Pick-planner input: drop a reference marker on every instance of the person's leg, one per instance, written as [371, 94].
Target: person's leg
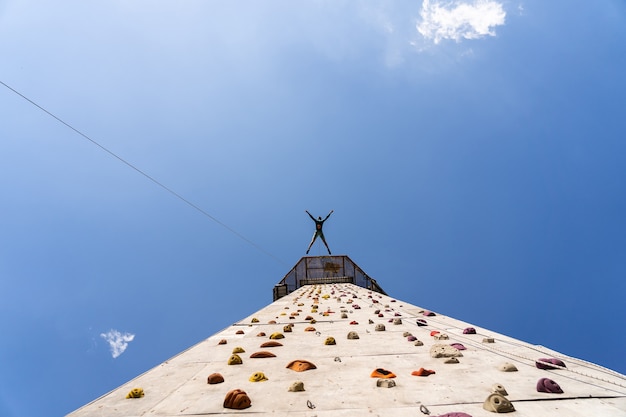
[324, 240]
[311, 244]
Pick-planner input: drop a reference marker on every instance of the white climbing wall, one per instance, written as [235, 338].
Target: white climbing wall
[341, 383]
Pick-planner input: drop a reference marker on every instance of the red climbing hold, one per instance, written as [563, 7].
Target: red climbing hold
[422, 372]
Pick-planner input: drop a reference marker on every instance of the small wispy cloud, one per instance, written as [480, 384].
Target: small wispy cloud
[118, 342]
[458, 20]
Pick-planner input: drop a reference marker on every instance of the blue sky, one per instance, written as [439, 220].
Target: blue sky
[473, 152]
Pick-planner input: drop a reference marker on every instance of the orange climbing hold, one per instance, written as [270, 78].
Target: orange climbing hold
[382, 373]
[301, 365]
[422, 372]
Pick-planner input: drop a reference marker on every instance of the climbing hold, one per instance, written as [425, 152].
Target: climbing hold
[496, 403]
[444, 351]
[313, 321]
[397, 321]
[386, 383]
[255, 320]
[277, 335]
[287, 328]
[310, 329]
[307, 318]
[419, 343]
[434, 332]
[382, 373]
[489, 340]
[353, 335]
[422, 372]
[330, 341]
[469, 330]
[238, 349]
[135, 393]
[271, 343]
[239, 332]
[376, 311]
[442, 336]
[549, 386]
[371, 321]
[353, 322]
[261, 334]
[271, 322]
[411, 338]
[381, 315]
[546, 363]
[222, 342]
[237, 399]
[428, 313]
[406, 334]
[300, 365]
[380, 327]
[263, 354]
[297, 386]
[257, 377]
[235, 360]
[507, 367]
[451, 360]
[215, 378]
[421, 322]
[457, 414]
[344, 316]
[459, 346]
[499, 389]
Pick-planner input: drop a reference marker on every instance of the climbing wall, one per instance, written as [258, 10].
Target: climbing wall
[342, 350]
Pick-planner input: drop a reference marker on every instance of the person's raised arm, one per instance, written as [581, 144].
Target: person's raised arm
[307, 212]
[331, 212]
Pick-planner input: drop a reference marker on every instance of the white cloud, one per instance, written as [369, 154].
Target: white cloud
[460, 20]
[118, 342]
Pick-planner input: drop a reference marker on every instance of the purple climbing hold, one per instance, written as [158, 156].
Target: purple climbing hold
[469, 330]
[428, 313]
[411, 338]
[544, 363]
[549, 386]
[421, 322]
[458, 346]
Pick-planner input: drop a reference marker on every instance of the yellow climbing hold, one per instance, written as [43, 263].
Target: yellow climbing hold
[277, 335]
[238, 349]
[235, 360]
[258, 377]
[330, 341]
[135, 393]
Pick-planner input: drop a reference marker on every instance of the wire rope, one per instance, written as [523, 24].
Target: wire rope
[146, 175]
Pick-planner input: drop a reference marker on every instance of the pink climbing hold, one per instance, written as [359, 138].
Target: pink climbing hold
[544, 363]
[549, 386]
[459, 346]
[428, 313]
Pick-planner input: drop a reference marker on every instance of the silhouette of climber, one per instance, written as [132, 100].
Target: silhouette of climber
[318, 230]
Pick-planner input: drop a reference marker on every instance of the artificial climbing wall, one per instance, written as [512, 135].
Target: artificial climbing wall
[343, 350]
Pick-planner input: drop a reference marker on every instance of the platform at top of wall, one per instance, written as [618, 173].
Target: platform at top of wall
[311, 270]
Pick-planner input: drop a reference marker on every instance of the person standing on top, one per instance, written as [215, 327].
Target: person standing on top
[318, 230]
